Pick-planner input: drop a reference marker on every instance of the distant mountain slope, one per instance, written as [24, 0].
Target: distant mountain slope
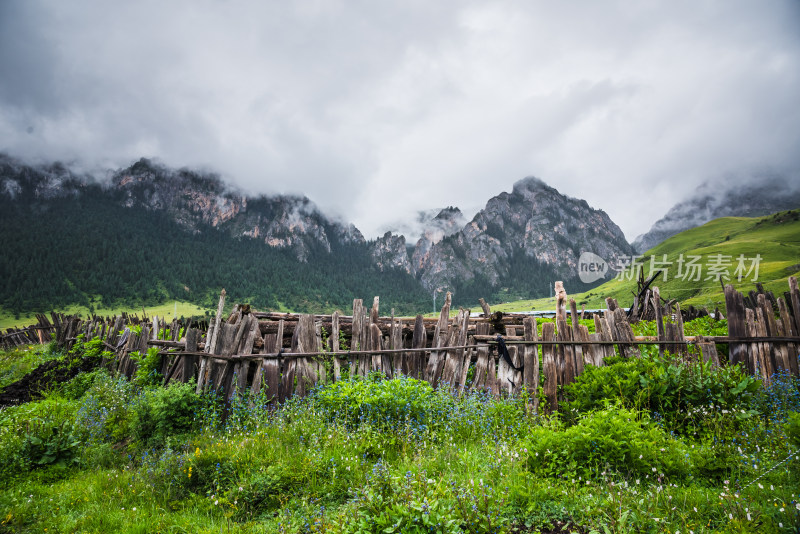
[152, 234]
[769, 248]
[768, 195]
[148, 233]
[520, 243]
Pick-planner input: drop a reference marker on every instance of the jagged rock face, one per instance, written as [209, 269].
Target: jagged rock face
[534, 219]
[769, 195]
[191, 199]
[446, 223]
[281, 221]
[46, 182]
[389, 252]
[194, 200]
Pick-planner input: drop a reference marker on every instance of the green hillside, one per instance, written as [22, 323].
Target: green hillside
[775, 238]
[86, 253]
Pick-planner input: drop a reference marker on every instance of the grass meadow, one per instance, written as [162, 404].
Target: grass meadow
[642, 445]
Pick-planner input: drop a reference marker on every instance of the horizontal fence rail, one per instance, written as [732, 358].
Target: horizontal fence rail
[281, 355]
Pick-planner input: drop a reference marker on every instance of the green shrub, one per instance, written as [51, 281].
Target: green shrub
[163, 412]
[147, 368]
[47, 444]
[105, 410]
[263, 492]
[377, 401]
[37, 434]
[681, 394]
[94, 349]
[614, 439]
[77, 387]
[792, 429]
[412, 504]
[714, 462]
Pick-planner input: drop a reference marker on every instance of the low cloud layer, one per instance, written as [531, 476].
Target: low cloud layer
[376, 110]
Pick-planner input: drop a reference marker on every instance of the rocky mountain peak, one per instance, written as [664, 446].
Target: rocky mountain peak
[40, 182]
[191, 198]
[534, 223]
[445, 223]
[389, 252]
[531, 185]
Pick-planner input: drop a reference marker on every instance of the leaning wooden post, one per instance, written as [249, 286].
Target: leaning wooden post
[334, 341]
[358, 364]
[565, 352]
[789, 330]
[210, 344]
[530, 359]
[433, 369]
[708, 350]
[307, 370]
[242, 369]
[549, 367]
[577, 350]
[659, 320]
[417, 360]
[734, 309]
[374, 316]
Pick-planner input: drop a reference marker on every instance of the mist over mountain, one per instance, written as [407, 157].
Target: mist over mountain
[147, 233]
[522, 241]
[764, 195]
[517, 245]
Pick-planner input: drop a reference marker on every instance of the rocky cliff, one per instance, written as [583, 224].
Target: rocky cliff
[196, 201]
[532, 222]
[534, 232]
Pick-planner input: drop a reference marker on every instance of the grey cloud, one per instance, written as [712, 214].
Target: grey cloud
[376, 110]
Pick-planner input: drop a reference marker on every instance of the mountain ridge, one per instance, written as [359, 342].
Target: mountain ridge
[712, 201]
[517, 245]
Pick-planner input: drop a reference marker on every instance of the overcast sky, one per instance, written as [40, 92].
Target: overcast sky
[377, 109]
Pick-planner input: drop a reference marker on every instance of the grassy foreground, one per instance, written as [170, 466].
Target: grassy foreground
[643, 445]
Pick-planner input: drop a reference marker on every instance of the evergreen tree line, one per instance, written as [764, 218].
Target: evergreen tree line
[86, 250]
[90, 251]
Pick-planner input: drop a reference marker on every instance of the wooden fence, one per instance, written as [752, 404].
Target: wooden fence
[282, 355]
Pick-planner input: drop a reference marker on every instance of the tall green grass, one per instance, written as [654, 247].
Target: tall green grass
[378, 455]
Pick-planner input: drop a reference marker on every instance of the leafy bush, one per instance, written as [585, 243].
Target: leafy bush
[77, 387]
[104, 414]
[678, 392]
[37, 434]
[263, 492]
[378, 402]
[94, 349]
[613, 439]
[163, 412]
[415, 504]
[792, 429]
[47, 444]
[780, 398]
[147, 368]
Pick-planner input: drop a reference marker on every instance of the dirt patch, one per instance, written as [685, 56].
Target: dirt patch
[44, 378]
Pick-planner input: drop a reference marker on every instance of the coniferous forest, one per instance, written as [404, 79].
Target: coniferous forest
[89, 251]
